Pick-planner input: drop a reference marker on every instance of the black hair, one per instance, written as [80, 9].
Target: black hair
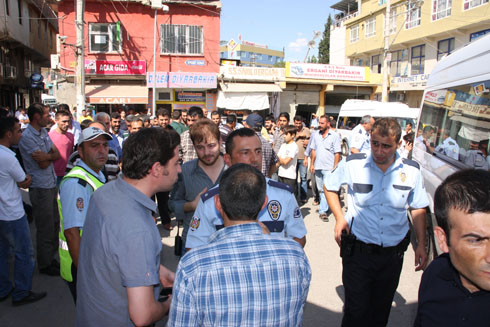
[115, 115]
[467, 190]
[269, 117]
[35, 108]
[63, 106]
[7, 124]
[298, 118]
[409, 138]
[242, 192]
[145, 147]
[163, 113]
[62, 112]
[242, 132]
[388, 127]
[195, 111]
[284, 114]
[176, 114]
[214, 113]
[290, 129]
[85, 123]
[230, 119]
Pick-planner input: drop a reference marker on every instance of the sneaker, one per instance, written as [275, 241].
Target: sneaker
[29, 298]
[324, 217]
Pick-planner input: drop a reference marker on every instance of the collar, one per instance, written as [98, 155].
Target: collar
[398, 162]
[135, 194]
[34, 131]
[100, 176]
[236, 231]
[6, 149]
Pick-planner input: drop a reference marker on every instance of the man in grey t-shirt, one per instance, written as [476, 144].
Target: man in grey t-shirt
[119, 270]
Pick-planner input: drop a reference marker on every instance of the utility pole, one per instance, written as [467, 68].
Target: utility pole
[384, 94]
[80, 53]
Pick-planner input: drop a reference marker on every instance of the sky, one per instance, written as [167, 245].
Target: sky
[279, 24]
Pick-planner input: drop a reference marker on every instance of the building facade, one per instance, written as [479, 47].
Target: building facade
[27, 39]
[420, 34]
[119, 53]
[251, 54]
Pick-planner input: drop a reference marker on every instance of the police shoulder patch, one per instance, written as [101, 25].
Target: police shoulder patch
[274, 208]
[412, 163]
[280, 185]
[195, 222]
[210, 194]
[356, 156]
[80, 205]
[297, 212]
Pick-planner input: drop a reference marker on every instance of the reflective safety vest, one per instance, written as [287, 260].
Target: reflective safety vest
[65, 258]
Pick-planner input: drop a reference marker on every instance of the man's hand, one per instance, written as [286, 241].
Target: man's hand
[191, 206]
[305, 162]
[40, 156]
[420, 257]
[340, 225]
[312, 169]
[166, 276]
[26, 182]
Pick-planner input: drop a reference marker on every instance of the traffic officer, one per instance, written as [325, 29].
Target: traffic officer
[281, 216]
[374, 233]
[76, 189]
[359, 141]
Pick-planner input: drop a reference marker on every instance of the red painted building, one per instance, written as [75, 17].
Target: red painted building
[119, 47]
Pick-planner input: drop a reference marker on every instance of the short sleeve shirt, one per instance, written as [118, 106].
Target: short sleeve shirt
[325, 149]
[281, 215]
[32, 141]
[64, 143]
[11, 173]
[301, 140]
[379, 199]
[360, 139]
[288, 151]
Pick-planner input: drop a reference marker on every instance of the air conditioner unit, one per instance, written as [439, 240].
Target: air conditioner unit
[165, 96]
[156, 4]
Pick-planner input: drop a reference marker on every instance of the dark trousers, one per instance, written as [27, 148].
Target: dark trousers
[370, 282]
[288, 181]
[73, 284]
[162, 201]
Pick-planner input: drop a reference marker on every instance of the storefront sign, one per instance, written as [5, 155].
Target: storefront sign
[253, 73]
[115, 100]
[414, 82]
[320, 71]
[182, 80]
[115, 67]
[437, 97]
[189, 96]
[195, 62]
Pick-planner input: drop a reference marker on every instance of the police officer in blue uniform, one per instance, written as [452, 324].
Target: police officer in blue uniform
[359, 141]
[281, 215]
[374, 233]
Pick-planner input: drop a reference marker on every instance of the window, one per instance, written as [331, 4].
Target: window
[104, 37]
[477, 35]
[376, 64]
[182, 39]
[354, 34]
[417, 60]
[399, 63]
[393, 20]
[468, 4]
[445, 47]
[19, 7]
[441, 9]
[413, 15]
[371, 27]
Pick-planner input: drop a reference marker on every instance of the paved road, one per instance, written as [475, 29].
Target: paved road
[325, 299]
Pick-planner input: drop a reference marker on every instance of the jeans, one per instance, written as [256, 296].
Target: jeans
[16, 235]
[319, 176]
[302, 186]
[47, 219]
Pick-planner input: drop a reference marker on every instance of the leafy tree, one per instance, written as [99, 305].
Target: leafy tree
[324, 45]
[280, 64]
[312, 60]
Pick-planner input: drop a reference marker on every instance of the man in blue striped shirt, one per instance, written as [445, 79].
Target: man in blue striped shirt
[243, 277]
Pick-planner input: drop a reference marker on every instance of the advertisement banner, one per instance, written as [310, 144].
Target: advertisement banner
[253, 73]
[115, 67]
[414, 82]
[188, 96]
[182, 80]
[332, 72]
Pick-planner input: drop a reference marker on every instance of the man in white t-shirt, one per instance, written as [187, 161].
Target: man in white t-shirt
[288, 157]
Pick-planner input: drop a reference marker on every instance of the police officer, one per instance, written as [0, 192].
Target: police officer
[281, 216]
[374, 233]
[359, 141]
[449, 147]
[76, 189]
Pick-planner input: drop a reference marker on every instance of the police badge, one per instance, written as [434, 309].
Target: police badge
[195, 223]
[80, 204]
[274, 208]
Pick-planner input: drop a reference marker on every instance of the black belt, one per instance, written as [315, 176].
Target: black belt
[369, 248]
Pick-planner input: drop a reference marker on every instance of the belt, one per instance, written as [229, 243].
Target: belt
[361, 247]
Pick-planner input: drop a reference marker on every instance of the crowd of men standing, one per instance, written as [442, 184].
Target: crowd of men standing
[236, 187]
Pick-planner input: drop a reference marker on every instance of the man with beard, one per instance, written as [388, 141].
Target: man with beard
[200, 174]
[116, 131]
[374, 233]
[64, 142]
[187, 151]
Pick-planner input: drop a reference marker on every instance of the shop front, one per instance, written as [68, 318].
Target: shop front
[409, 89]
[178, 90]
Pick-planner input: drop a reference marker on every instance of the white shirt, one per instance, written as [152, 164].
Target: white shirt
[360, 139]
[288, 151]
[11, 173]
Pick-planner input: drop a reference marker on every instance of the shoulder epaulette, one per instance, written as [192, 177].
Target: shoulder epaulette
[360, 131]
[82, 182]
[412, 163]
[280, 185]
[209, 194]
[356, 156]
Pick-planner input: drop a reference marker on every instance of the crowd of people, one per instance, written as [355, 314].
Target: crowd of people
[97, 185]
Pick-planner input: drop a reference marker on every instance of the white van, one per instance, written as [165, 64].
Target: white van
[454, 125]
[48, 100]
[352, 111]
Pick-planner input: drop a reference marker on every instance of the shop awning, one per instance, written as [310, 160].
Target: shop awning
[116, 94]
[249, 87]
[243, 100]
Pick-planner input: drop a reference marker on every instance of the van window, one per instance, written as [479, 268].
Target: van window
[455, 125]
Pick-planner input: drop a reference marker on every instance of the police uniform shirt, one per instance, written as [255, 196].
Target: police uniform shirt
[281, 215]
[75, 196]
[360, 139]
[449, 147]
[379, 200]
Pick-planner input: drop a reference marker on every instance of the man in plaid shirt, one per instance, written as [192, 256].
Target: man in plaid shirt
[187, 151]
[243, 277]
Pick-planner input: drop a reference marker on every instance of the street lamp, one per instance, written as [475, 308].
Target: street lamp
[312, 43]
